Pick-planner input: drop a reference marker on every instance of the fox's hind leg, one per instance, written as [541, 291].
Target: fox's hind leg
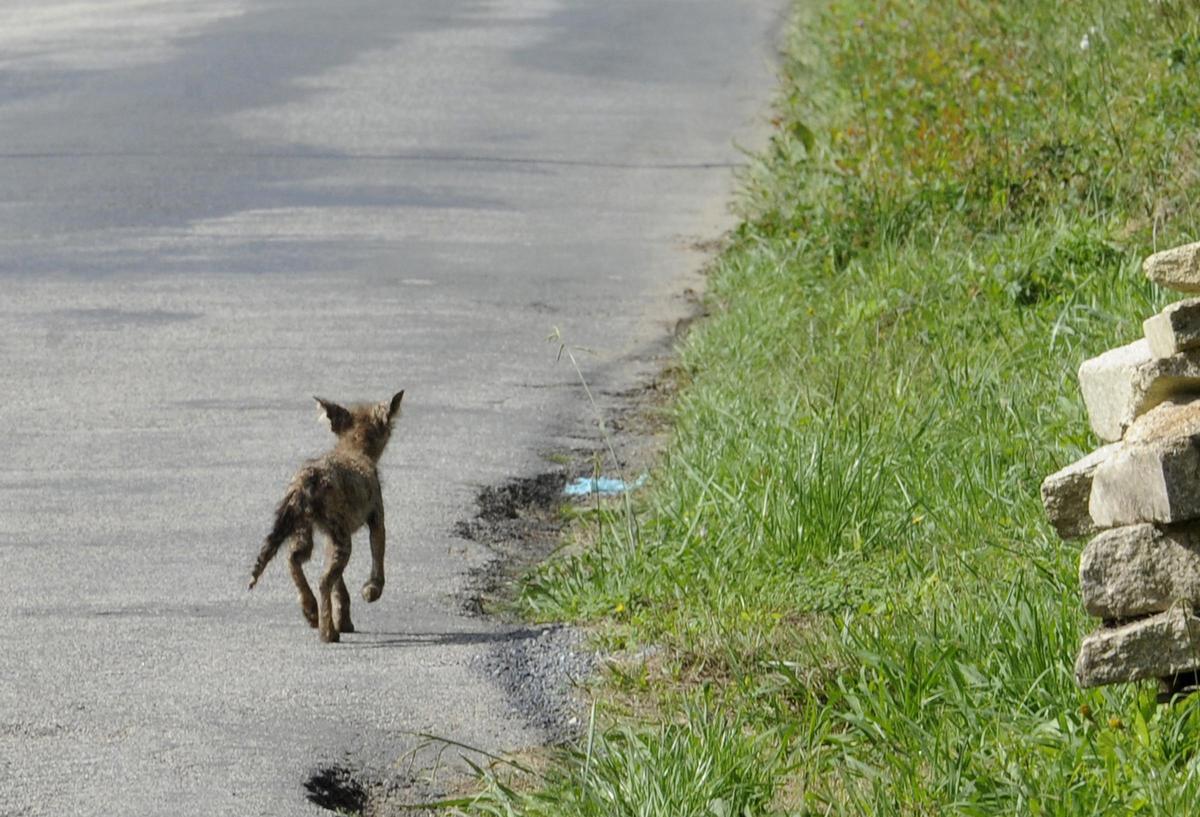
[341, 607]
[302, 547]
[337, 554]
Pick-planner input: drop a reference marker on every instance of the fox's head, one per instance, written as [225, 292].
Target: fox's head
[364, 427]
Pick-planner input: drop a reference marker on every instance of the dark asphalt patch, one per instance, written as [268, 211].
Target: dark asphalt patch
[516, 498]
[520, 522]
[335, 788]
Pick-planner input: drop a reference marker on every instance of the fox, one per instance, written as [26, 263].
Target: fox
[336, 494]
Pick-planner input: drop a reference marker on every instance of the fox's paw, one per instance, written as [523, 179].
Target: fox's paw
[372, 590]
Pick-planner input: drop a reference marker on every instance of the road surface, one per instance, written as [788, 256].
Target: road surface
[211, 211]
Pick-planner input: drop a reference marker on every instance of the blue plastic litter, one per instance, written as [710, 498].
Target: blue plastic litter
[605, 486]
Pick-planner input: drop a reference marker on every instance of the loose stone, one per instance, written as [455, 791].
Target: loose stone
[1155, 474]
[1177, 268]
[1162, 645]
[1121, 385]
[1175, 329]
[1140, 569]
[1065, 494]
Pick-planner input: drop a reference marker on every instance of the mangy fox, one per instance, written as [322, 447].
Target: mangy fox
[336, 493]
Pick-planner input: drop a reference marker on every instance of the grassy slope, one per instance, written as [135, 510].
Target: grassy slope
[844, 555]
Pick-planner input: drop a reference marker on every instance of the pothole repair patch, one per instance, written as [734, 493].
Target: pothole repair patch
[520, 521]
[336, 789]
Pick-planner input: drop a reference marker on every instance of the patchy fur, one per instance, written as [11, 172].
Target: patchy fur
[336, 493]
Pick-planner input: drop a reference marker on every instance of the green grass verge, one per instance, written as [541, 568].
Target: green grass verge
[843, 555]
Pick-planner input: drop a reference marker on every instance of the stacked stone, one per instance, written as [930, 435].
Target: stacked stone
[1139, 495]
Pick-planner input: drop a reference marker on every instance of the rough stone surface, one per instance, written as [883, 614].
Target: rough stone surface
[1121, 385]
[1065, 494]
[1175, 329]
[1140, 569]
[1177, 268]
[1156, 647]
[1168, 420]
[1155, 474]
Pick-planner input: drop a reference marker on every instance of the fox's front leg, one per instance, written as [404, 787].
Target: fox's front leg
[373, 589]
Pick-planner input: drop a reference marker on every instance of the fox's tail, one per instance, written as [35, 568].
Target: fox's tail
[288, 517]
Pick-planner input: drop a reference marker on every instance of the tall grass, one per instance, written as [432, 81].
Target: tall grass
[843, 554]
[698, 768]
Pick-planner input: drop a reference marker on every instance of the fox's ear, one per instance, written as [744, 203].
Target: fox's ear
[339, 418]
[394, 408]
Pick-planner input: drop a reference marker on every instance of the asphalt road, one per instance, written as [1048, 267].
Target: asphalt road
[209, 212]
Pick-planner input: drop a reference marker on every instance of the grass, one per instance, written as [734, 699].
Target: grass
[859, 606]
[692, 769]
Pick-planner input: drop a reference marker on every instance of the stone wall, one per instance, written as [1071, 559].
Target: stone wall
[1138, 496]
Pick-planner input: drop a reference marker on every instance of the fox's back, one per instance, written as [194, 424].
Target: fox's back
[343, 489]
